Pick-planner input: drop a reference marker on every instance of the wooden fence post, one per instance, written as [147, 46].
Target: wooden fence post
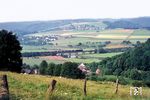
[117, 83]
[5, 92]
[52, 86]
[5, 83]
[85, 87]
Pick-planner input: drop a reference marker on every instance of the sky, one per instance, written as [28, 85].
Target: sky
[31, 10]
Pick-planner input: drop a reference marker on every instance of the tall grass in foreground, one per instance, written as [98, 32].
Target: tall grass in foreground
[34, 87]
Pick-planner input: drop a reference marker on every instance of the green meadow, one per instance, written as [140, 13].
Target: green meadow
[35, 87]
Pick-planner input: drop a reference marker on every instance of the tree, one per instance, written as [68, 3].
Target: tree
[93, 66]
[79, 44]
[10, 52]
[57, 70]
[50, 69]
[35, 66]
[43, 67]
[135, 74]
[70, 70]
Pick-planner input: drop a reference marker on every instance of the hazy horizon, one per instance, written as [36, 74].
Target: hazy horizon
[68, 19]
[45, 10]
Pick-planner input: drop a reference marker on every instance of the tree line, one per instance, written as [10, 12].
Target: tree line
[133, 64]
[67, 69]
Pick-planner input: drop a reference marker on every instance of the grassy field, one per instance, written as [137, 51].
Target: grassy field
[140, 35]
[37, 61]
[78, 60]
[33, 61]
[103, 55]
[45, 48]
[34, 87]
[83, 58]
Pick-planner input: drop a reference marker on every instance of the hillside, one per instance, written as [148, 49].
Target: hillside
[76, 24]
[123, 24]
[34, 87]
[38, 26]
[143, 21]
[129, 23]
[133, 64]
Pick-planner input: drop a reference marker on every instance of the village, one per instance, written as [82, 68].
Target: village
[38, 40]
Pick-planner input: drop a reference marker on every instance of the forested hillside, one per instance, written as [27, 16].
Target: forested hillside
[143, 21]
[131, 23]
[122, 24]
[134, 64]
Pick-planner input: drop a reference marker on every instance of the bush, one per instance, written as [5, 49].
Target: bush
[138, 83]
[123, 81]
[93, 78]
[108, 71]
[101, 78]
[107, 78]
[117, 71]
[147, 83]
[111, 78]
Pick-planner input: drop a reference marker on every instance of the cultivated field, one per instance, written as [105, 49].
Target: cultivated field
[91, 38]
[113, 35]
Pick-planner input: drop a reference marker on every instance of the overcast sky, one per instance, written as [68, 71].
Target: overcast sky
[27, 10]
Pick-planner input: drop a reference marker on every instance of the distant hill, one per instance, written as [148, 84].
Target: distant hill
[122, 24]
[131, 23]
[31, 27]
[39, 26]
[142, 21]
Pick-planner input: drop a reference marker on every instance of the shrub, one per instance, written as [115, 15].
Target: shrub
[101, 78]
[93, 78]
[111, 78]
[123, 81]
[138, 83]
[108, 71]
[147, 83]
[117, 71]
